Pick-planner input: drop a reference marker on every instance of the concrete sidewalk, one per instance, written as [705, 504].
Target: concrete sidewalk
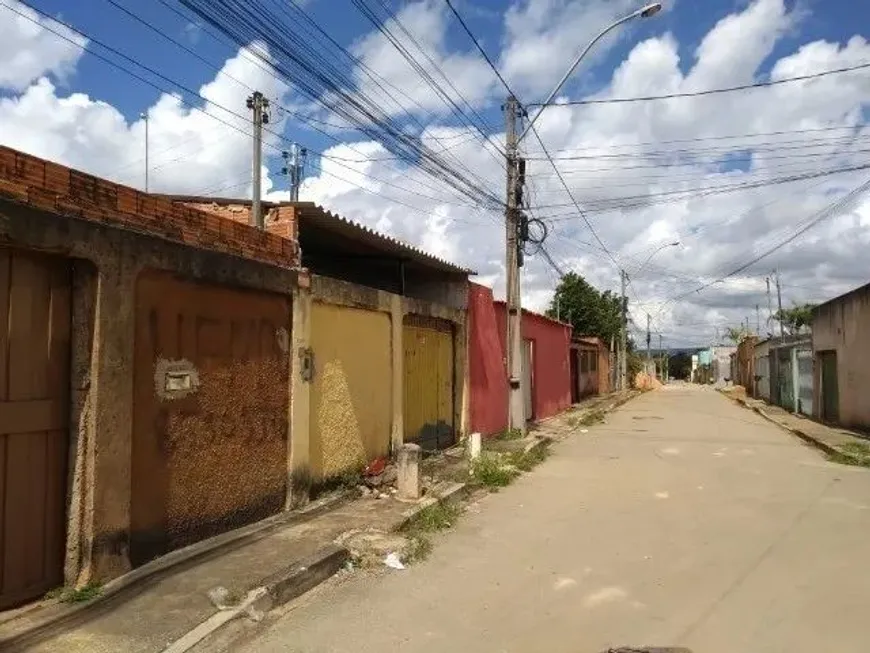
[168, 608]
[154, 613]
[841, 444]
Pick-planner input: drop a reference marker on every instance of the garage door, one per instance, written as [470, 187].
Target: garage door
[211, 398]
[34, 382]
[428, 383]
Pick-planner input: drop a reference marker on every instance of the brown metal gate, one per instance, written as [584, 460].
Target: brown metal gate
[34, 386]
[211, 400]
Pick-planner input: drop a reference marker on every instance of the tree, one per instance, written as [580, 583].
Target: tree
[796, 319]
[736, 334]
[680, 365]
[589, 311]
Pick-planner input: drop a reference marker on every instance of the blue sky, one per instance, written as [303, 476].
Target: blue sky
[82, 112]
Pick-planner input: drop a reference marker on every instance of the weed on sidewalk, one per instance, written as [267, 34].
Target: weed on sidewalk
[433, 519]
[853, 453]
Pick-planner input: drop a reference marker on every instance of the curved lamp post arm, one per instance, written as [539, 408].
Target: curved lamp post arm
[650, 257]
[643, 12]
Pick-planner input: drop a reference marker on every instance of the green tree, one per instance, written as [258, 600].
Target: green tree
[736, 334]
[680, 365]
[796, 319]
[589, 311]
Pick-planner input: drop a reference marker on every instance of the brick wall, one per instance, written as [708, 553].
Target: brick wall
[52, 187]
[279, 220]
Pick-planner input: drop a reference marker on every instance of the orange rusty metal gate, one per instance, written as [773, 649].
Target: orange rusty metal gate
[34, 389]
[211, 401]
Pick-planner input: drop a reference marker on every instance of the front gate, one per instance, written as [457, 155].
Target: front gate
[34, 382]
[428, 394]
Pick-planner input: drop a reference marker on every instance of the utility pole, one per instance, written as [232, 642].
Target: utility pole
[259, 104]
[648, 353]
[769, 307]
[558, 312]
[144, 117]
[661, 357]
[779, 305]
[757, 320]
[516, 404]
[294, 166]
[623, 352]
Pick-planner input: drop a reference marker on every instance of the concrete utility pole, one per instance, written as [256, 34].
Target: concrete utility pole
[757, 320]
[661, 357]
[516, 403]
[769, 307]
[623, 353]
[259, 104]
[779, 305]
[144, 117]
[648, 353]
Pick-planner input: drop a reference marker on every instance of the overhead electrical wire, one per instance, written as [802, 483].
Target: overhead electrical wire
[714, 91]
[305, 67]
[827, 212]
[115, 64]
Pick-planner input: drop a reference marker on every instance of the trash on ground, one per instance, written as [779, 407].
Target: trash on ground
[393, 562]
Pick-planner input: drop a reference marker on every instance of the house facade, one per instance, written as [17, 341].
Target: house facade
[170, 372]
[841, 355]
[546, 363]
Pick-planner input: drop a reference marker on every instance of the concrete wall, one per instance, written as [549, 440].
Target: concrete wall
[843, 325]
[107, 262]
[486, 363]
[351, 395]
[761, 356]
[552, 372]
[336, 451]
[112, 234]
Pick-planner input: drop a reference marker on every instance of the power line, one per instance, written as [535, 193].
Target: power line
[715, 91]
[163, 77]
[820, 216]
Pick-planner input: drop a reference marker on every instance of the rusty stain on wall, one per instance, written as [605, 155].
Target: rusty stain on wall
[210, 446]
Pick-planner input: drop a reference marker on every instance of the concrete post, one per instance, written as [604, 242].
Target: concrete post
[397, 354]
[474, 446]
[408, 481]
[302, 369]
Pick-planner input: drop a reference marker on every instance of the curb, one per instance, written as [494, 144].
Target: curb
[224, 627]
[276, 590]
[824, 447]
[444, 492]
[60, 618]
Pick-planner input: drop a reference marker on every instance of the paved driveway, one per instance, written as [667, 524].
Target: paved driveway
[684, 520]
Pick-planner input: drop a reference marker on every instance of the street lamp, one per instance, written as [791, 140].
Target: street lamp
[516, 403]
[644, 12]
[676, 243]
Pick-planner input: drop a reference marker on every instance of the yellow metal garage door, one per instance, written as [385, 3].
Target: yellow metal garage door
[428, 383]
[351, 395]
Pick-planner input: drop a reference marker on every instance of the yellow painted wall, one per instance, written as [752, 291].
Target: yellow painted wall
[428, 382]
[352, 388]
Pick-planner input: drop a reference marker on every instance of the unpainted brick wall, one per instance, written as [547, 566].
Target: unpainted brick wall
[52, 187]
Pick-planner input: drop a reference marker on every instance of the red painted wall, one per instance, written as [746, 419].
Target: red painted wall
[488, 404]
[487, 325]
[551, 372]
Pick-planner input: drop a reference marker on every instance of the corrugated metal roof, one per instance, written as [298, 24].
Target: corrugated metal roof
[345, 226]
[387, 243]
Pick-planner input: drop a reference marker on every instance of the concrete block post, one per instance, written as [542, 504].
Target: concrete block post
[409, 485]
[474, 446]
